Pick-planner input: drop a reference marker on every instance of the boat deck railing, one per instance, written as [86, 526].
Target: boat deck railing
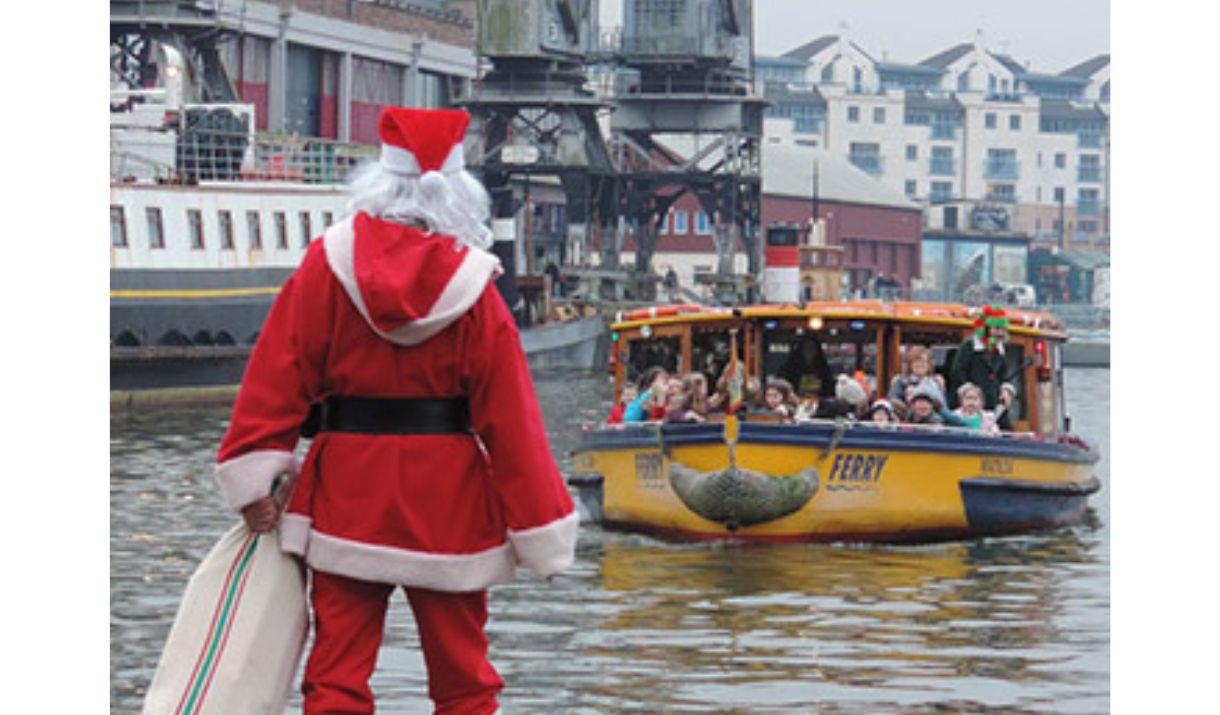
[140, 153]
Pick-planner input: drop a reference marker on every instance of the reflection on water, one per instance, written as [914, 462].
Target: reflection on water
[1016, 625]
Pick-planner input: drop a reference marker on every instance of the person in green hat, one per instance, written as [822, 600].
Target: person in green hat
[980, 358]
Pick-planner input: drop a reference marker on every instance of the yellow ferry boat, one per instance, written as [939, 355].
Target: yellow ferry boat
[833, 480]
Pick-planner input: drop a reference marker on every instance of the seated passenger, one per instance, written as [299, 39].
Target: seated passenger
[694, 393]
[626, 397]
[924, 406]
[882, 413]
[918, 367]
[1004, 410]
[850, 400]
[678, 409]
[807, 371]
[970, 409]
[651, 386]
[779, 399]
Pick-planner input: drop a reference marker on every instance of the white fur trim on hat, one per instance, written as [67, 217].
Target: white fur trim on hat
[401, 161]
[460, 293]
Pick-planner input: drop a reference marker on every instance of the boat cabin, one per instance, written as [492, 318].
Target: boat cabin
[871, 337]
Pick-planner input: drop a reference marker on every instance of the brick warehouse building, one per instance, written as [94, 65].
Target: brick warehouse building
[878, 227]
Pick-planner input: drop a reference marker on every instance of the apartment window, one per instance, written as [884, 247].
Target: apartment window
[306, 229]
[941, 191]
[281, 230]
[156, 228]
[878, 115]
[989, 120]
[328, 218]
[194, 227]
[1061, 161]
[1038, 191]
[702, 225]
[828, 73]
[118, 227]
[912, 152]
[1039, 160]
[1006, 193]
[1059, 194]
[225, 220]
[1014, 122]
[853, 114]
[1087, 226]
[867, 156]
[911, 187]
[254, 230]
[680, 223]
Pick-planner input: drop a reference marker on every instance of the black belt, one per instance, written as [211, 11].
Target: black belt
[371, 415]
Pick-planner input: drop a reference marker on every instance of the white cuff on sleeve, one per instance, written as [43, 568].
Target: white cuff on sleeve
[248, 478]
[549, 548]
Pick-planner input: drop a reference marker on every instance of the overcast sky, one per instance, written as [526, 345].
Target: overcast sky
[1051, 35]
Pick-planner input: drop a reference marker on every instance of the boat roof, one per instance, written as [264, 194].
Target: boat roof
[1025, 322]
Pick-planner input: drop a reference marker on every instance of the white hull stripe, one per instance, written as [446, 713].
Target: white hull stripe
[248, 478]
[385, 564]
[459, 294]
[400, 161]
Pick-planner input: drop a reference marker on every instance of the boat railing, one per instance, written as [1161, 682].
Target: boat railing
[852, 425]
[165, 154]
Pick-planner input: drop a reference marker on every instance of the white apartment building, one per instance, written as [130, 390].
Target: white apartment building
[966, 125]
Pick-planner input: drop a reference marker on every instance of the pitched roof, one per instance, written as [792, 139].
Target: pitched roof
[934, 102]
[787, 170]
[1012, 65]
[783, 61]
[1066, 109]
[910, 69]
[809, 49]
[1088, 68]
[948, 57]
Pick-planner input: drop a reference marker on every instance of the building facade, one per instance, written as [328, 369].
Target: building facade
[325, 68]
[965, 125]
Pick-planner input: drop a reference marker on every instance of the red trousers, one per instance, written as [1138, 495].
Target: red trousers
[349, 619]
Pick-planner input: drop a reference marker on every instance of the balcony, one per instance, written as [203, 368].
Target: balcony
[1088, 208]
[944, 131]
[942, 166]
[1001, 198]
[1089, 174]
[868, 162]
[1088, 141]
[1002, 170]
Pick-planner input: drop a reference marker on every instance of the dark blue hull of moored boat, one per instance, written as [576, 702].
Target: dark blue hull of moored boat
[1002, 506]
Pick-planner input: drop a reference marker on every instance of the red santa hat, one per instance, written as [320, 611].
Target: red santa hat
[417, 141]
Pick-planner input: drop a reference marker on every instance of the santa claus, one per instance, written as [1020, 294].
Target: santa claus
[430, 469]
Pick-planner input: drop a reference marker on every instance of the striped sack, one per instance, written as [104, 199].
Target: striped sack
[238, 636]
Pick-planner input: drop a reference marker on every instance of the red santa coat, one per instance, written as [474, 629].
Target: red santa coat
[378, 309]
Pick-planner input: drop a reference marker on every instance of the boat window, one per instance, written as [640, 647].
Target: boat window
[225, 219]
[194, 223]
[254, 228]
[118, 227]
[306, 230]
[709, 351]
[281, 230]
[156, 229]
[810, 361]
[328, 218]
[645, 353]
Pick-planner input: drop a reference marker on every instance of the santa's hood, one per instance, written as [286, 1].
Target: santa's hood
[407, 283]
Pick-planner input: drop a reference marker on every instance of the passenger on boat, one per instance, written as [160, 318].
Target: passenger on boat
[1003, 411]
[882, 413]
[807, 370]
[719, 402]
[850, 400]
[779, 399]
[925, 405]
[678, 409]
[970, 409]
[628, 395]
[651, 386]
[918, 366]
[694, 394]
[980, 359]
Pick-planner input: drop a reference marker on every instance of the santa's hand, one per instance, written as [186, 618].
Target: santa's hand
[261, 515]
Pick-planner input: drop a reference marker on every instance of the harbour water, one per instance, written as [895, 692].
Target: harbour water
[1011, 625]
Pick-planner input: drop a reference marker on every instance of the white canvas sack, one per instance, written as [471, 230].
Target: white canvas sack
[238, 636]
